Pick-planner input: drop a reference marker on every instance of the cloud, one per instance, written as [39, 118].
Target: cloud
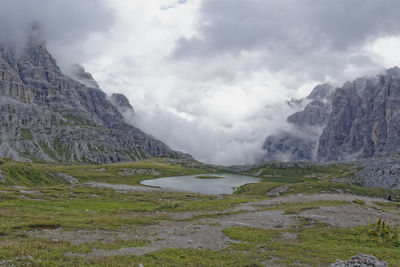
[309, 38]
[213, 142]
[206, 77]
[63, 23]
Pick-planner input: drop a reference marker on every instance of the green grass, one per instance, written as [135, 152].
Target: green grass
[25, 174]
[316, 245]
[388, 205]
[26, 135]
[304, 172]
[359, 202]
[48, 203]
[318, 187]
[90, 208]
[31, 174]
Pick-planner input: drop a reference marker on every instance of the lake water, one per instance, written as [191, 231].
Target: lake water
[225, 184]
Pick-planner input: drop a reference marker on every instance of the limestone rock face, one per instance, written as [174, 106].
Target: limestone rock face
[317, 112]
[300, 142]
[365, 119]
[359, 120]
[48, 116]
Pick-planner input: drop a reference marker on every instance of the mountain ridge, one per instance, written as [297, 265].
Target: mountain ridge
[59, 119]
[358, 120]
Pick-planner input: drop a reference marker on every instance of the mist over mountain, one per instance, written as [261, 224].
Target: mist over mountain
[48, 116]
[356, 121]
[299, 141]
[211, 78]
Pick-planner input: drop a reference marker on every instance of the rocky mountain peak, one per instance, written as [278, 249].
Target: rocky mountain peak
[321, 91]
[394, 72]
[78, 73]
[46, 115]
[36, 54]
[35, 51]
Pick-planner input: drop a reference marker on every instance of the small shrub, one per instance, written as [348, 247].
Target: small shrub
[26, 134]
[384, 234]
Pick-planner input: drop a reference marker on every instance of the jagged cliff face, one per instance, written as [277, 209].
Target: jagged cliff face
[357, 121]
[365, 119]
[301, 141]
[46, 115]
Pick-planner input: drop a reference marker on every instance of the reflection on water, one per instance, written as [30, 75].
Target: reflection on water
[224, 184]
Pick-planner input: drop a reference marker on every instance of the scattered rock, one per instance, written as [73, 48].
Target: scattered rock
[7, 263]
[361, 260]
[288, 237]
[67, 178]
[278, 190]
[379, 172]
[30, 192]
[2, 177]
[127, 172]
[123, 188]
[19, 187]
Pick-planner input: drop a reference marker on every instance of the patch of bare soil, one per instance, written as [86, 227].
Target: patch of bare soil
[205, 231]
[124, 187]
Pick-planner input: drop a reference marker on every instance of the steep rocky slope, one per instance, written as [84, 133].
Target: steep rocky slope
[365, 119]
[359, 120]
[48, 116]
[301, 140]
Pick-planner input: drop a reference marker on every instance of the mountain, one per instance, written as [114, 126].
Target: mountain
[365, 119]
[359, 120]
[300, 141]
[46, 115]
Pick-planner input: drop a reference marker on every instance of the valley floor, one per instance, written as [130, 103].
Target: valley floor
[294, 217]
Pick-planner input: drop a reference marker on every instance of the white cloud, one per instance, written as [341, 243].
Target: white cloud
[207, 77]
[220, 107]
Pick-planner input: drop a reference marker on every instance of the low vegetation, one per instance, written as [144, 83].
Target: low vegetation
[315, 244]
[34, 199]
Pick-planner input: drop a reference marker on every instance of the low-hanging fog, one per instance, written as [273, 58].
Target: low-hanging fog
[211, 78]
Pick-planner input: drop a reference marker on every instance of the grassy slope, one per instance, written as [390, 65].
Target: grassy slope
[50, 204]
[310, 180]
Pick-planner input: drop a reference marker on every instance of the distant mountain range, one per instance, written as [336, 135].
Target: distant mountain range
[359, 120]
[48, 116]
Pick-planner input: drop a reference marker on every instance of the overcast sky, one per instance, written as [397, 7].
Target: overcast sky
[209, 77]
